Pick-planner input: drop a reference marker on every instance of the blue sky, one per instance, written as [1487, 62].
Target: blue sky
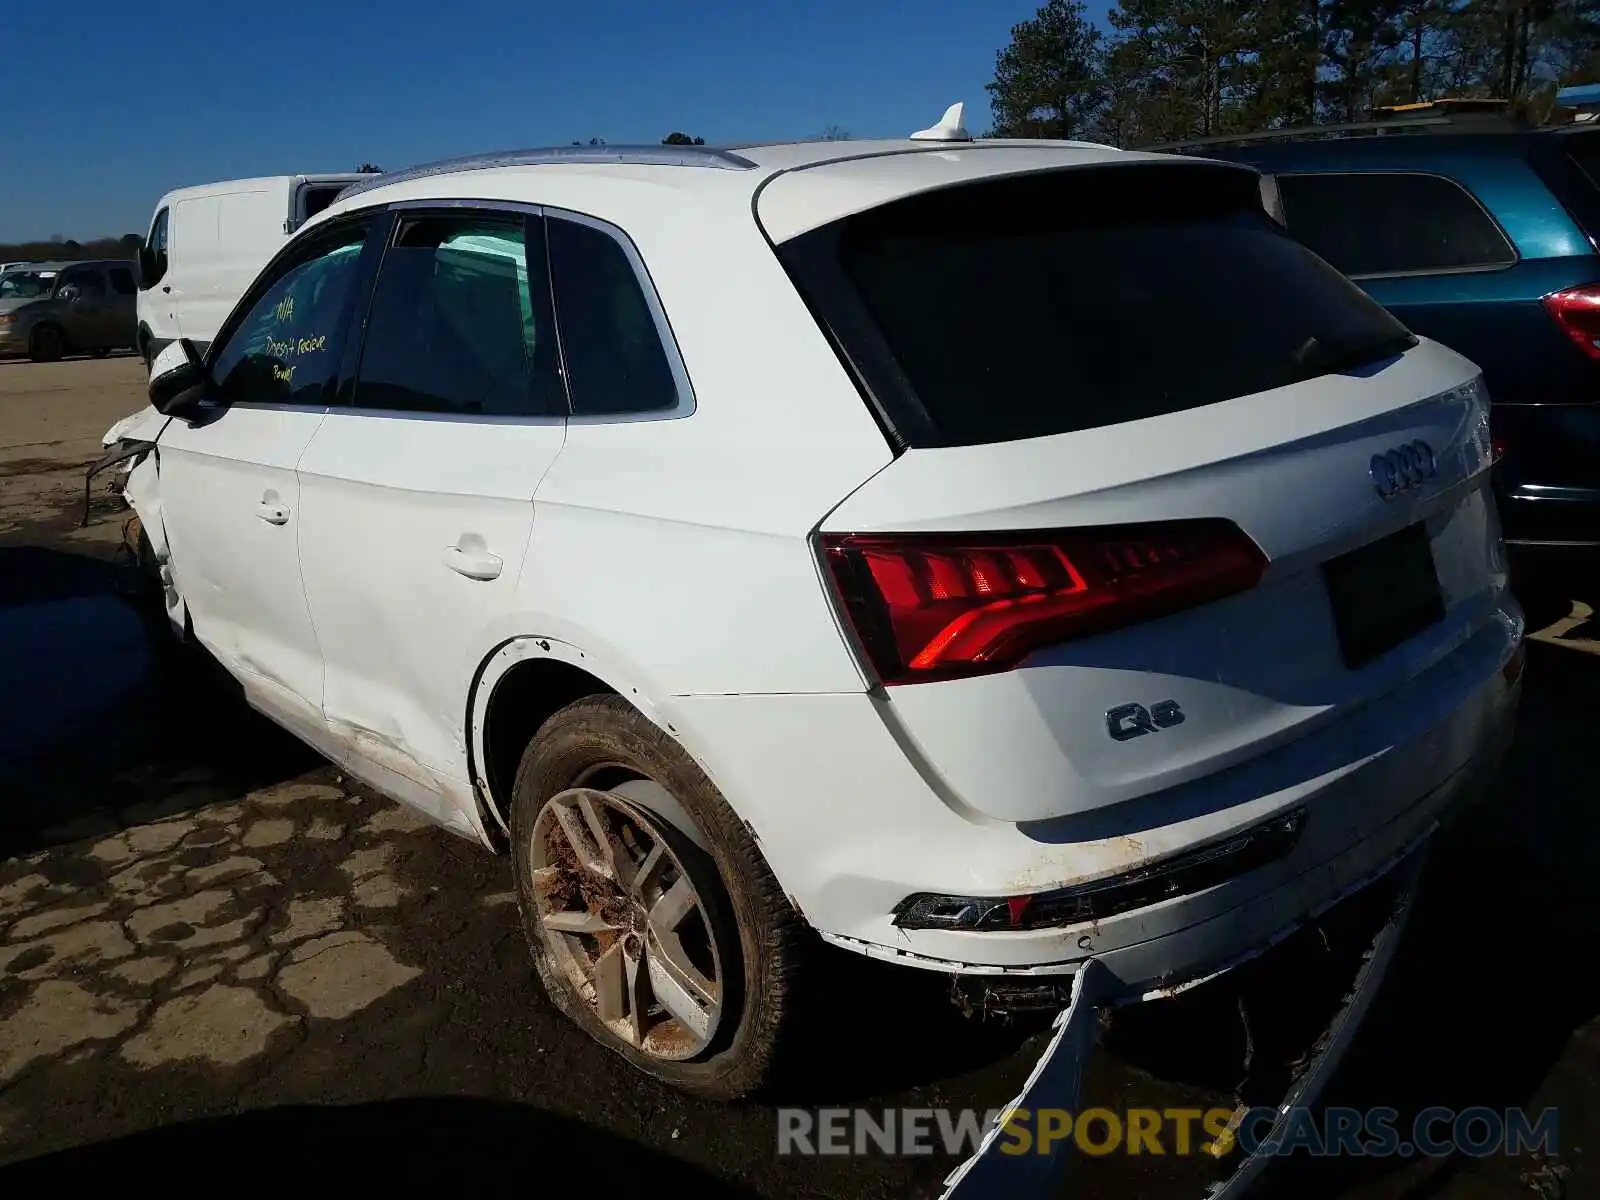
[106, 110]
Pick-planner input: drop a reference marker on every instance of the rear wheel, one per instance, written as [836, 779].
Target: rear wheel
[652, 919]
[47, 344]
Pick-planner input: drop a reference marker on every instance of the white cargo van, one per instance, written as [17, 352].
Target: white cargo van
[207, 243]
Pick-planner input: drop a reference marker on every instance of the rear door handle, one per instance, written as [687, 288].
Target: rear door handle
[273, 514]
[473, 561]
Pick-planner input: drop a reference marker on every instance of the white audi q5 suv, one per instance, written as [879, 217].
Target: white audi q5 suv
[988, 554]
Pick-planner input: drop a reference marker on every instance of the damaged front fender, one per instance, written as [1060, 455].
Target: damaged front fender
[131, 447]
[142, 490]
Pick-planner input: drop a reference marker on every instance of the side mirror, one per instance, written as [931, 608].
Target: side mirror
[179, 380]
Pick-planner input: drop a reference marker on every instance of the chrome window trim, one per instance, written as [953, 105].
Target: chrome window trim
[669, 344]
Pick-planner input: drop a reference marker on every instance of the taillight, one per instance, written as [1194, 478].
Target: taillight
[939, 606]
[1577, 311]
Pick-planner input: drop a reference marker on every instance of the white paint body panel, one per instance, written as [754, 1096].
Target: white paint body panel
[674, 560]
[383, 497]
[1289, 468]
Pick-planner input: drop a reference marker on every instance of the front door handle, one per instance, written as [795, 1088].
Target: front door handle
[273, 513]
[469, 558]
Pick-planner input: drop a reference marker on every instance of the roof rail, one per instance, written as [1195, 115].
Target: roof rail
[1438, 116]
[667, 156]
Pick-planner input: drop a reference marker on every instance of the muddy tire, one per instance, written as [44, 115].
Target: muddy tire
[47, 344]
[600, 751]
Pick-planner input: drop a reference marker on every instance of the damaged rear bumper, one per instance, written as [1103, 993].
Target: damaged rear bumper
[991, 1174]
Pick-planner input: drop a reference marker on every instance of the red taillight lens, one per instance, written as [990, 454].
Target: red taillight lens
[938, 606]
[1577, 311]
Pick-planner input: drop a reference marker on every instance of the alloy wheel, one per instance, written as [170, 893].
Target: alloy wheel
[624, 919]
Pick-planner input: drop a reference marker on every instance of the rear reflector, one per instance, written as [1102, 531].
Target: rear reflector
[942, 606]
[1577, 311]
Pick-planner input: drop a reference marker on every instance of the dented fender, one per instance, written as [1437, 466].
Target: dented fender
[142, 490]
[144, 425]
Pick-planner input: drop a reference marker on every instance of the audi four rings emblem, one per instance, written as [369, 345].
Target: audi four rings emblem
[1403, 468]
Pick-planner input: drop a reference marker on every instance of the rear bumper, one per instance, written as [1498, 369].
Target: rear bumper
[851, 826]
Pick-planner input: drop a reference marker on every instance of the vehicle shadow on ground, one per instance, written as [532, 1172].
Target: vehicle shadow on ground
[108, 722]
[399, 1145]
[873, 1030]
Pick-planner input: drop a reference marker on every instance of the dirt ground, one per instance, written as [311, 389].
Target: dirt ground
[213, 945]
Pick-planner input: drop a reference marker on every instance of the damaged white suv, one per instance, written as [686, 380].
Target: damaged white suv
[993, 555]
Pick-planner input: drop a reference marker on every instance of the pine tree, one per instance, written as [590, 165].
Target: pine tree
[1050, 81]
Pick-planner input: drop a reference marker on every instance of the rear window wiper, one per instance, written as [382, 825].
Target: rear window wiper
[1324, 357]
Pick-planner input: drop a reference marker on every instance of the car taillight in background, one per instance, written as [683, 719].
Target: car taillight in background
[1577, 311]
[942, 606]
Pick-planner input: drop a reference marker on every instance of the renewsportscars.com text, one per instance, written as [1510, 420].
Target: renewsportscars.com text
[1329, 1132]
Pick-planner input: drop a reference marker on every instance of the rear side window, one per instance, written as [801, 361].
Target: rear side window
[616, 363]
[1051, 303]
[455, 326]
[1580, 188]
[77, 283]
[1392, 223]
[122, 281]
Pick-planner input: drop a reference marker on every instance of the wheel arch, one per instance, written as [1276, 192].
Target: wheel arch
[519, 686]
[53, 325]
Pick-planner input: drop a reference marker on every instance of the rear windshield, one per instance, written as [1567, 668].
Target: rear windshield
[1070, 300]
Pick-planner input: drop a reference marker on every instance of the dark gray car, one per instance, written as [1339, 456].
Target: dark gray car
[55, 308]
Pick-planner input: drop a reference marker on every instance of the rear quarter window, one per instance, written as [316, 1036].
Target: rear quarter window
[1050, 303]
[1392, 223]
[1577, 181]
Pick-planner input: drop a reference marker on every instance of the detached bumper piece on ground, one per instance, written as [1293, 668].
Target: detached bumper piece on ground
[1056, 1078]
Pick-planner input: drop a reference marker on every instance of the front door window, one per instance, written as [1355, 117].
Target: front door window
[286, 349]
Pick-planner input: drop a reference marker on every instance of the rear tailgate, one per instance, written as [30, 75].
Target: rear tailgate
[1290, 469]
[1115, 347]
